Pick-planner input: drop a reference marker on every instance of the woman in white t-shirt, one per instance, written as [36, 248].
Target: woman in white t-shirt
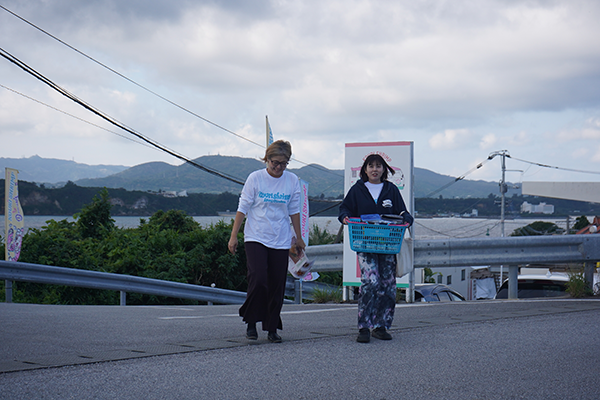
[269, 199]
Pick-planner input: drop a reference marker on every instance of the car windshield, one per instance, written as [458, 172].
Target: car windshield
[455, 297]
[535, 288]
[443, 296]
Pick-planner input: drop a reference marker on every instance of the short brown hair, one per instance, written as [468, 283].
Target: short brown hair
[278, 148]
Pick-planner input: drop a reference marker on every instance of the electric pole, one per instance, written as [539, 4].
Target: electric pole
[503, 186]
[503, 189]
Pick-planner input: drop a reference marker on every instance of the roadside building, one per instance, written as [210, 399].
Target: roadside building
[541, 208]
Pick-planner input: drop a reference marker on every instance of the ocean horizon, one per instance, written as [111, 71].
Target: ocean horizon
[423, 228]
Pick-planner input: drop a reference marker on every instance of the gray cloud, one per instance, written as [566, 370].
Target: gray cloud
[326, 72]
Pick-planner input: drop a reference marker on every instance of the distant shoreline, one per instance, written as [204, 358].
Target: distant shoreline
[423, 228]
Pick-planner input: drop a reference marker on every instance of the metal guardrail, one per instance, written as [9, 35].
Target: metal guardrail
[328, 257]
[18, 271]
[302, 289]
[511, 251]
[507, 251]
[518, 250]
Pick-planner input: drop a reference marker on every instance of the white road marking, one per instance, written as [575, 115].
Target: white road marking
[237, 315]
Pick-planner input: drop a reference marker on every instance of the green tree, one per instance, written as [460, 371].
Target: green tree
[537, 228]
[170, 246]
[429, 275]
[580, 223]
[94, 220]
[175, 220]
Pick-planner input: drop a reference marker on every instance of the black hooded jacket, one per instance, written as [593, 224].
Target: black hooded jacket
[359, 202]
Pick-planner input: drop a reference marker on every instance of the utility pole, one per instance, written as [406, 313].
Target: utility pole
[503, 190]
[503, 186]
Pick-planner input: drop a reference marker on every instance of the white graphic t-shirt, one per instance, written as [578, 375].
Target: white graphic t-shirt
[268, 203]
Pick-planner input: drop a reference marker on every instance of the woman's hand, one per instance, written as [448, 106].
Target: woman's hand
[232, 245]
[300, 245]
[237, 223]
[346, 220]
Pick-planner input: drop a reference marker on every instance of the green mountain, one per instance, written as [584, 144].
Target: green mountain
[51, 171]
[157, 176]
[160, 176]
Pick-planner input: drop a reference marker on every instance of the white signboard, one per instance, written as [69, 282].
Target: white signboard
[399, 156]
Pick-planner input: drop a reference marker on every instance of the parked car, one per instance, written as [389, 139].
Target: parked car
[428, 292]
[536, 286]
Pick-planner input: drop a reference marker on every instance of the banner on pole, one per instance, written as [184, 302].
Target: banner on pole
[304, 213]
[14, 223]
[269, 132]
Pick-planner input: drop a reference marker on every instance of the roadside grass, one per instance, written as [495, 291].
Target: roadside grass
[327, 295]
[577, 286]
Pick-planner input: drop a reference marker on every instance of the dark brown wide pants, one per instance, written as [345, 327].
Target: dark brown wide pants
[267, 271]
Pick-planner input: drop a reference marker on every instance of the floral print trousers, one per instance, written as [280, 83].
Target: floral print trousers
[377, 294]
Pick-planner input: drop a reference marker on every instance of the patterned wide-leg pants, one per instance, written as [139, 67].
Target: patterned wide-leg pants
[377, 294]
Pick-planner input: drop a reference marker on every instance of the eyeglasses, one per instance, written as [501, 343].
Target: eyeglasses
[279, 163]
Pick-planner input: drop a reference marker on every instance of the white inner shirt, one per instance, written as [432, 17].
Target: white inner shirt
[374, 189]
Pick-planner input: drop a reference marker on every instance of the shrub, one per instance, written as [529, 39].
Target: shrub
[334, 278]
[537, 228]
[170, 246]
[319, 236]
[94, 219]
[580, 223]
[577, 286]
[327, 295]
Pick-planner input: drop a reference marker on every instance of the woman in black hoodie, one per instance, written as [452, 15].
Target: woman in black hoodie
[374, 194]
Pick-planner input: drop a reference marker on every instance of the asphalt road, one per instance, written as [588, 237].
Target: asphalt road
[471, 350]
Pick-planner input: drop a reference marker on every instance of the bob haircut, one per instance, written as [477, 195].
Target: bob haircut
[377, 159]
[278, 148]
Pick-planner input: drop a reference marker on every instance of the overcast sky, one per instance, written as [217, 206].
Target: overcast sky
[461, 79]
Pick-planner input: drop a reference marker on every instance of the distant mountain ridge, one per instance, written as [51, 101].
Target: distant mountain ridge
[157, 176]
[52, 170]
[161, 176]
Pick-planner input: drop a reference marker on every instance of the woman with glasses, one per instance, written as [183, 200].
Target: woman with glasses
[269, 199]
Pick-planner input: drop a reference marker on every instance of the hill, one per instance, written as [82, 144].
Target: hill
[157, 176]
[322, 181]
[70, 198]
[51, 171]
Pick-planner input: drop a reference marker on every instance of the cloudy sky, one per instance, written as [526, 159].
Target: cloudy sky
[461, 79]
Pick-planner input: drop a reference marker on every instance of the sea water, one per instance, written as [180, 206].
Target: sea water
[423, 228]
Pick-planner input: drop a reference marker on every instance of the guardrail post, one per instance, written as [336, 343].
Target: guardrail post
[513, 281]
[123, 298]
[8, 291]
[588, 273]
[410, 291]
[298, 291]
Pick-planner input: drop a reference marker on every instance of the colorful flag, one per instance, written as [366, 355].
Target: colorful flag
[304, 225]
[14, 223]
[269, 132]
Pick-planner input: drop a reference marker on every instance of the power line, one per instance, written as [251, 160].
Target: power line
[335, 203]
[550, 166]
[142, 86]
[138, 142]
[109, 119]
[481, 164]
[128, 79]
[76, 117]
